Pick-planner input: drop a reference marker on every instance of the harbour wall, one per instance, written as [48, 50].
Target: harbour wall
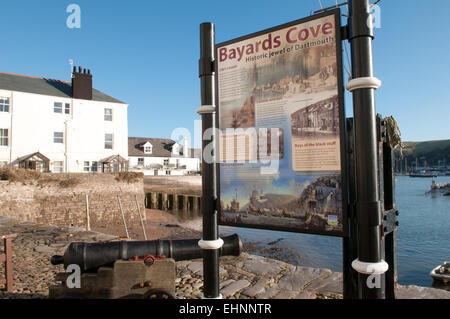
[65, 200]
[180, 195]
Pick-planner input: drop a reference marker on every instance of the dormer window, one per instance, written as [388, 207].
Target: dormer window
[148, 148]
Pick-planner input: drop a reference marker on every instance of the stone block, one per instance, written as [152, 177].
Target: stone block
[269, 293]
[333, 283]
[197, 268]
[415, 292]
[234, 287]
[298, 277]
[257, 288]
[261, 266]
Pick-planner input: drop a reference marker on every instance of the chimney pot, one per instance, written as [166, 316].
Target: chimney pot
[82, 84]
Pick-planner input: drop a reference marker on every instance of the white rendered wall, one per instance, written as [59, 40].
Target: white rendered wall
[192, 164]
[34, 123]
[5, 123]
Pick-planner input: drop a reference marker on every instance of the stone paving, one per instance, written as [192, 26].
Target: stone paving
[244, 277]
[251, 276]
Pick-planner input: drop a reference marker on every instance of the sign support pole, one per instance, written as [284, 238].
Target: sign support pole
[350, 243]
[211, 243]
[389, 204]
[369, 264]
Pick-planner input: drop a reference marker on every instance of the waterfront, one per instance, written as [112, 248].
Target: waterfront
[422, 242]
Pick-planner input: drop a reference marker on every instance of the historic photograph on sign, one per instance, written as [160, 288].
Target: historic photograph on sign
[280, 112]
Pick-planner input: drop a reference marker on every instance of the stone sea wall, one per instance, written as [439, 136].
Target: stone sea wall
[60, 200]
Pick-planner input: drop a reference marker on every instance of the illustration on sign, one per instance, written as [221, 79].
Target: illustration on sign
[280, 119]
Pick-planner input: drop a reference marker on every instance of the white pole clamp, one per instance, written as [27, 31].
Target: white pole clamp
[370, 268]
[220, 297]
[205, 109]
[363, 83]
[211, 244]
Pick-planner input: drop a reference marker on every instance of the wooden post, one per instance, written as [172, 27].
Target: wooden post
[88, 218]
[165, 202]
[195, 207]
[7, 258]
[175, 202]
[154, 202]
[186, 202]
[123, 216]
[140, 217]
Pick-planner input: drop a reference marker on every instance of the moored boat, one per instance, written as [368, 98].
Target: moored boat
[423, 174]
[442, 273]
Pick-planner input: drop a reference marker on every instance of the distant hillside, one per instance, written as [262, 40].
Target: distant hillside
[432, 152]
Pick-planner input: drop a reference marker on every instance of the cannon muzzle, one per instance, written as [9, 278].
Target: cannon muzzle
[91, 256]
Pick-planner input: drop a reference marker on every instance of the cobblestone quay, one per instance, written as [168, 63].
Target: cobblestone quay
[244, 277]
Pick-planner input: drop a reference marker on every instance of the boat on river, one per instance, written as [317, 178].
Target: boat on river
[423, 174]
[439, 188]
[442, 273]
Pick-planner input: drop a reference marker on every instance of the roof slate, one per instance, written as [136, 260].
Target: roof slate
[29, 84]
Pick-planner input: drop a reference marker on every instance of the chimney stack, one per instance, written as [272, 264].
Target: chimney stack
[185, 147]
[82, 84]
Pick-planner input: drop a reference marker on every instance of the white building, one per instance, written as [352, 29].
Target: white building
[60, 126]
[157, 156]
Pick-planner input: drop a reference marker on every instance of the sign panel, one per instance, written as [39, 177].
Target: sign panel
[281, 120]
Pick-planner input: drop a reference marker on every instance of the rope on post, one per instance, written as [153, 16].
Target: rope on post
[123, 216]
[140, 217]
[88, 217]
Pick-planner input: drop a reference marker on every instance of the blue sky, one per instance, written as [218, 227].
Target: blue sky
[146, 54]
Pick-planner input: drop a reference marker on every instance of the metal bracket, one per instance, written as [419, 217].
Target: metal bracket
[211, 244]
[217, 204]
[206, 66]
[344, 33]
[390, 221]
[206, 298]
[363, 83]
[381, 129]
[370, 268]
[206, 109]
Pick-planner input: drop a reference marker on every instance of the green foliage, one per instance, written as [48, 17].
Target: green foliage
[432, 151]
[129, 177]
[29, 177]
[394, 135]
[69, 181]
[18, 175]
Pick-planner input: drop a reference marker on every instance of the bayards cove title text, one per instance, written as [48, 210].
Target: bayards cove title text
[299, 38]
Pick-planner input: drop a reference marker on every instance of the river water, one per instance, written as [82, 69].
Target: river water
[423, 240]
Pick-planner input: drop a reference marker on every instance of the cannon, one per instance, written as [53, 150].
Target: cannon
[129, 269]
[90, 256]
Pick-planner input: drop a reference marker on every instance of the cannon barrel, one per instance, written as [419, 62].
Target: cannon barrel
[91, 256]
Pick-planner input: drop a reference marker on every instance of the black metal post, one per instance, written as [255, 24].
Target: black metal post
[389, 203]
[350, 243]
[209, 190]
[368, 207]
